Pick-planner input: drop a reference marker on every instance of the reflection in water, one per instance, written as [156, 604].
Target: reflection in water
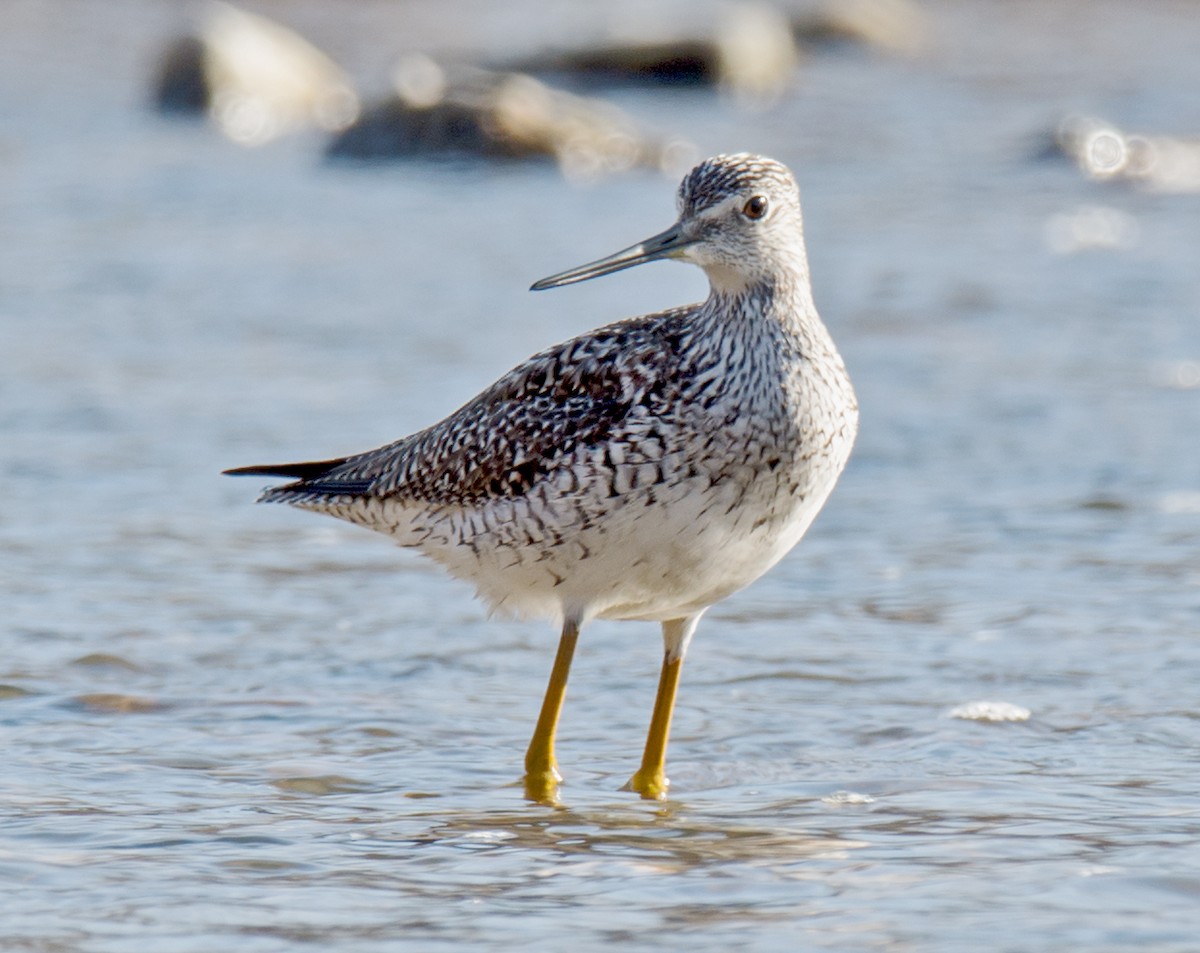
[1091, 227]
[669, 839]
[989, 711]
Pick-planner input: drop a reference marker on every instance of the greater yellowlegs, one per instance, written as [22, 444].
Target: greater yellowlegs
[645, 470]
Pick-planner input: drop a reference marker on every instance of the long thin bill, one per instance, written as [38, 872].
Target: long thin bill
[664, 245]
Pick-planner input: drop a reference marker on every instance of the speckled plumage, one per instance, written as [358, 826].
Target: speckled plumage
[649, 468]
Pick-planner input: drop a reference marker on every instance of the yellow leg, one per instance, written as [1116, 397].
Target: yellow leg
[541, 767]
[649, 780]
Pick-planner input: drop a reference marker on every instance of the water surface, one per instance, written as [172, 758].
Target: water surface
[241, 726]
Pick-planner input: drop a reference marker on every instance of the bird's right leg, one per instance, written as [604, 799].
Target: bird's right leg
[541, 767]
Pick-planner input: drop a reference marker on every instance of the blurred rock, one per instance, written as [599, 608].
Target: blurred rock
[896, 26]
[257, 80]
[181, 85]
[749, 52]
[470, 112]
[1105, 153]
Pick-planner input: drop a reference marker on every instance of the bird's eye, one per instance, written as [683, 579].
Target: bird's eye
[755, 208]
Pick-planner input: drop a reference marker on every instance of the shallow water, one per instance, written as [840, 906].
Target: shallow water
[228, 724]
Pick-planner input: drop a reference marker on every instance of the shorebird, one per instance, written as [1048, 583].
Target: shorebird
[644, 470]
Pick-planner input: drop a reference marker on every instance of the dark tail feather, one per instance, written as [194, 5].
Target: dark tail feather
[292, 471]
[309, 480]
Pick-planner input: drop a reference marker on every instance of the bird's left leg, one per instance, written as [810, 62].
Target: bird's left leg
[649, 780]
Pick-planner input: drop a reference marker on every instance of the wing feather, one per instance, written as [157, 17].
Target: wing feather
[516, 432]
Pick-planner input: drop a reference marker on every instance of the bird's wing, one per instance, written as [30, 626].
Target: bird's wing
[515, 432]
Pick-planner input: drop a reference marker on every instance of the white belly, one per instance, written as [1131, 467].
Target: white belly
[665, 559]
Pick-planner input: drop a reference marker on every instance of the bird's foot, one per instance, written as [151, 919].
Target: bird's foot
[651, 784]
[541, 783]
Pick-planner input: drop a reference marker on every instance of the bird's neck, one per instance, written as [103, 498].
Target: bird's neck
[778, 304]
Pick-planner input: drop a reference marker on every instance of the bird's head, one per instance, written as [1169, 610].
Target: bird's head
[739, 220]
